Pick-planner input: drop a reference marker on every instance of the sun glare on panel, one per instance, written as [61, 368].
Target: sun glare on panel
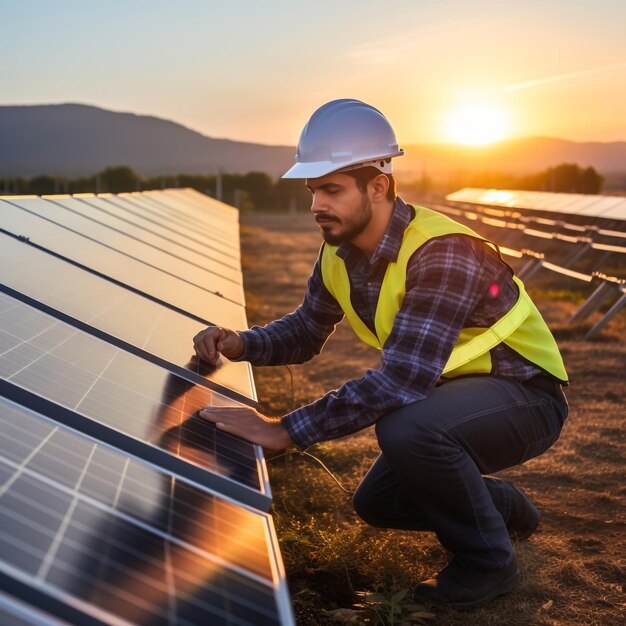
[476, 125]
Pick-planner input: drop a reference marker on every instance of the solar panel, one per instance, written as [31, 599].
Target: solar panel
[14, 612]
[150, 328]
[152, 408]
[590, 205]
[95, 536]
[194, 205]
[211, 237]
[212, 233]
[97, 257]
[119, 504]
[216, 252]
[230, 287]
[110, 214]
[617, 212]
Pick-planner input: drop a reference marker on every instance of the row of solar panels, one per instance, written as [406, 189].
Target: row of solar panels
[118, 503]
[607, 207]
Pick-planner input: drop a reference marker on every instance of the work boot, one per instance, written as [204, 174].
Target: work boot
[524, 517]
[460, 587]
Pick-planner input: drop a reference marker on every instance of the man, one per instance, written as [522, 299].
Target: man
[470, 376]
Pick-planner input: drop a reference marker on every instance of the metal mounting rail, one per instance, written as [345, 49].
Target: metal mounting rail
[609, 248]
[516, 219]
[606, 285]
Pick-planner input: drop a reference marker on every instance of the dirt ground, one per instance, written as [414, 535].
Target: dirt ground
[572, 569]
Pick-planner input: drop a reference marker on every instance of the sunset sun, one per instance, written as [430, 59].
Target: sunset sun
[476, 125]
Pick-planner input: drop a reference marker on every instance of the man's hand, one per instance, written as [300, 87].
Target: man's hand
[250, 424]
[215, 340]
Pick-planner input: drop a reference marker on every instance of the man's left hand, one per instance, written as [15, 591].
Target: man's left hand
[250, 424]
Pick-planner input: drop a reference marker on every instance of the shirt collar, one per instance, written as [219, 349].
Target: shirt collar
[389, 246]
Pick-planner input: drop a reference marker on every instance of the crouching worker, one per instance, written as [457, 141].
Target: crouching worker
[470, 376]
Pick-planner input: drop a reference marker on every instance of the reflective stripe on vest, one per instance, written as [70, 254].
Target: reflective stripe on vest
[522, 327]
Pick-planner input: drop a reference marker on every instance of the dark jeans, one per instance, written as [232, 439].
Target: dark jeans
[429, 475]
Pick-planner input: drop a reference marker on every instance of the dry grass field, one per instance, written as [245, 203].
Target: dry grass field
[572, 569]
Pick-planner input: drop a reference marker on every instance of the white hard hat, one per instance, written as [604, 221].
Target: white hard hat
[343, 135]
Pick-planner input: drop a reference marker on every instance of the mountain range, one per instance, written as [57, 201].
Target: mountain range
[79, 140]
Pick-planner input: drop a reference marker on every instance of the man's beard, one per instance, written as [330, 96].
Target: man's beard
[353, 227]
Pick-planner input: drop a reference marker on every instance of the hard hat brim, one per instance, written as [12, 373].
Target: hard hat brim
[315, 169]
[311, 170]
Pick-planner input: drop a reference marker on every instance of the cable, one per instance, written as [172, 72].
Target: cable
[306, 454]
[311, 456]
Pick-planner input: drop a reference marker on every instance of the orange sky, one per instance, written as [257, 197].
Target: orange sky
[255, 71]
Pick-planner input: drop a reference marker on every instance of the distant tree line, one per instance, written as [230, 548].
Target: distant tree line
[257, 191]
[564, 178]
[254, 191]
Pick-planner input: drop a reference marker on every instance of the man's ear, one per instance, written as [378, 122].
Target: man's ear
[378, 187]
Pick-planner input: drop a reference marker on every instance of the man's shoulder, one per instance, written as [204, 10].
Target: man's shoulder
[452, 244]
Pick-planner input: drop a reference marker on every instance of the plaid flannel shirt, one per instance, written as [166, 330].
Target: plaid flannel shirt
[452, 282]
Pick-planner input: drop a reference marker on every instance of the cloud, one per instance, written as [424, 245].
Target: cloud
[540, 82]
[397, 46]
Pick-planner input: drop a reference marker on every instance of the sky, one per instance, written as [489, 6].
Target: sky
[439, 70]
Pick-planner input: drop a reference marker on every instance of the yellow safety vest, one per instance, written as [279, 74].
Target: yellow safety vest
[522, 328]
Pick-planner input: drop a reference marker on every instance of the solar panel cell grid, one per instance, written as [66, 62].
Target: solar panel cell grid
[132, 488]
[148, 547]
[118, 389]
[203, 239]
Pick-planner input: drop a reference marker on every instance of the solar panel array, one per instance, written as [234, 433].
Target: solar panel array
[118, 503]
[607, 207]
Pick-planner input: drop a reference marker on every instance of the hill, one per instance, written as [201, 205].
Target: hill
[78, 140]
[521, 156]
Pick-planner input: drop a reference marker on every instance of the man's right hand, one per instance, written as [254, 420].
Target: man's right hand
[215, 340]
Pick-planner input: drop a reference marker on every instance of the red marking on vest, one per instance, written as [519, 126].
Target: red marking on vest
[494, 290]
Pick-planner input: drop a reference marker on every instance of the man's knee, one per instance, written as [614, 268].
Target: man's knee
[365, 506]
